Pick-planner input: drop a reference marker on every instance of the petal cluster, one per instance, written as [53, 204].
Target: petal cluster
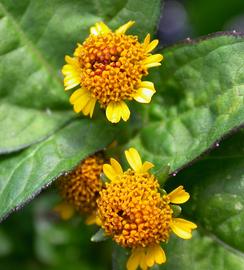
[136, 215]
[108, 68]
[79, 188]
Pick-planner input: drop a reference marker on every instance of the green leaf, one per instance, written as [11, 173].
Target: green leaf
[145, 13]
[200, 253]
[23, 175]
[199, 99]
[48, 241]
[216, 185]
[31, 126]
[37, 36]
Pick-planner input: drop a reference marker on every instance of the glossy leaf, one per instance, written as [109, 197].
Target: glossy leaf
[216, 185]
[37, 36]
[199, 99]
[216, 205]
[200, 253]
[23, 175]
[21, 127]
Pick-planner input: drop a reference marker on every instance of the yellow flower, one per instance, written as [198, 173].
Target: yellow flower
[108, 67]
[133, 211]
[80, 189]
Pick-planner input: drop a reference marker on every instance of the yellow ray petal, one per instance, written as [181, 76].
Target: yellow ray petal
[146, 166]
[68, 69]
[89, 107]
[92, 106]
[134, 259]
[71, 78]
[109, 172]
[150, 256]
[155, 255]
[146, 41]
[102, 28]
[94, 31]
[153, 60]
[134, 159]
[116, 166]
[99, 29]
[81, 102]
[123, 28]
[70, 60]
[65, 210]
[77, 94]
[143, 262]
[152, 45]
[125, 112]
[144, 93]
[186, 223]
[183, 228]
[147, 84]
[71, 81]
[160, 256]
[178, 195]
[113, 170]
[113, 112]
[71, 72]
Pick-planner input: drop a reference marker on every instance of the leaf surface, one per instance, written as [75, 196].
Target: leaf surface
[199, 99]
[217, 186]
[31, 126]
[26, 173]
[37, 36]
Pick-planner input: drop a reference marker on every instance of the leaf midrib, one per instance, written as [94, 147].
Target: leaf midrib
[225, 245]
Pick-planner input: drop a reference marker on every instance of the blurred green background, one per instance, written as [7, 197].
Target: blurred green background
[34, 238]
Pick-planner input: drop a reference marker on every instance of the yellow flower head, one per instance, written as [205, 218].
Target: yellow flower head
[135, 213]
[108, 67]
[80, 188]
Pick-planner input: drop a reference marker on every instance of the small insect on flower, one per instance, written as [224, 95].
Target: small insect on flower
[137, 215]
[80, 189]
[108, 67]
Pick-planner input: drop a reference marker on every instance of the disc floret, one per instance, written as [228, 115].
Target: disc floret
[109, 67]
[136, 215]
[80, 188]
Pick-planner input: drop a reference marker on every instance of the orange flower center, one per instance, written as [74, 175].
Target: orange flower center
[133, 212]
[111, 66]
[81, 187]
